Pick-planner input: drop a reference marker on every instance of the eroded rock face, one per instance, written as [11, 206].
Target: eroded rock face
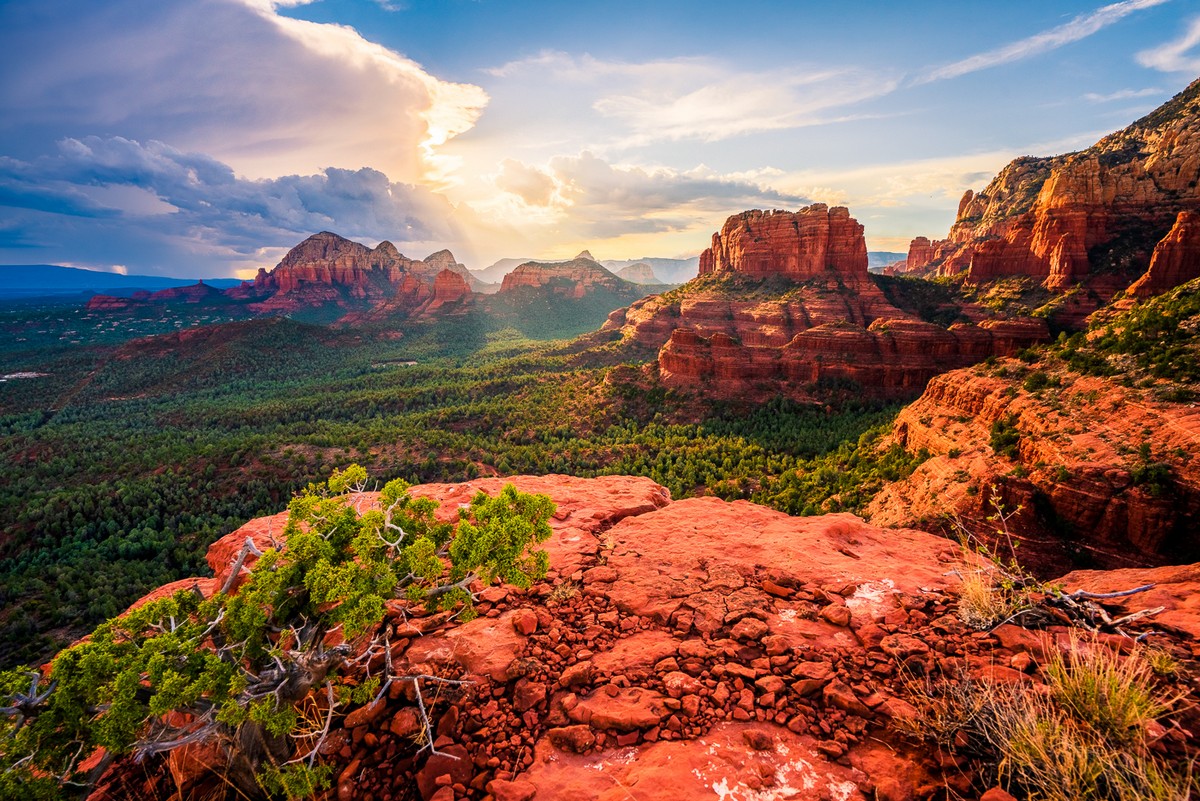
[692, 648]
[1066, 218]
[815, 242]
[1078, 499]
[785, 305]
[327, 269]
[572, 279]
[891, 358]
[1176, 258]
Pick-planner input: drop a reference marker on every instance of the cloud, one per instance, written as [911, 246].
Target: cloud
[195, 213]
[697, 98]
[1078, 28]
[595, 198]
[533, 186]
[1179, 55]
[1122, 94]
[264, 93]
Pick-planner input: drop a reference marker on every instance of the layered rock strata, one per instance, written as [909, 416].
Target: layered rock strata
[573, 279]
[1072, 478]
[1092, 217]
[785, 304]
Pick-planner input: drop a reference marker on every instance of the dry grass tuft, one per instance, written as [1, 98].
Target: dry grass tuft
[984, 602]
[1081, 736]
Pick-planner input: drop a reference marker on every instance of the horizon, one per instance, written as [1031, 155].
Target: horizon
[528, 130]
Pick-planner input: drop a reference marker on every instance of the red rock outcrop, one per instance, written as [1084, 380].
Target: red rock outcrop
[573, 279]
[1065, 218]
[693, 648]
[449, 287]
[327, 269]
[108, 303]
[1176, 258]
[640, 273]
[890, 359]
[815, 242]
[785, 304]
[198, 293]
[1077, 453]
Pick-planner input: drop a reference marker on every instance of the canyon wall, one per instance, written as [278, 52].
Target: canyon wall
[1093, 217]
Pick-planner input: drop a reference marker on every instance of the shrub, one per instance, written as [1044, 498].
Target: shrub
[1005, 437]
[242, 668]
[1115, 695]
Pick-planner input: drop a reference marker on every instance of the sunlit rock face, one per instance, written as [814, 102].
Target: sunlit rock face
[1093, 217]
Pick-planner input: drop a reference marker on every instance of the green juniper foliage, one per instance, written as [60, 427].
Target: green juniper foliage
[239, 666]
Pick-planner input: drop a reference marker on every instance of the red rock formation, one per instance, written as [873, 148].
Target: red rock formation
[1074, 446]
[640, 273]
[891, 359]
[573, 279]
[815, 242]
[920, 253]
[197, 293]
[327, 269]
[108, 303]
[1059, 219]
[684, 649]
[729, 334]
[1176, 258]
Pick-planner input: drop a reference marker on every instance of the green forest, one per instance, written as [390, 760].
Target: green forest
[123, 461]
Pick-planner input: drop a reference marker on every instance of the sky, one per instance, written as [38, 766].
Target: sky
[203, 138]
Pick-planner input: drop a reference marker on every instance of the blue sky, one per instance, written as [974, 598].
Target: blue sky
[206, 137]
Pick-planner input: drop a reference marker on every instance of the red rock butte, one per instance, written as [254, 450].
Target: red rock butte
[815, 242]
[740, 331]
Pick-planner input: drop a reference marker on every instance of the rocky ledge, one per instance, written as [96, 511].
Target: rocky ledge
[678, 649]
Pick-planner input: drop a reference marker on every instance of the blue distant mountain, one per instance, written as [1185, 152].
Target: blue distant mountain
[45, 280]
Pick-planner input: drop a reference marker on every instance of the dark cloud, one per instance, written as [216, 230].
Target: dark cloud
[153, 207]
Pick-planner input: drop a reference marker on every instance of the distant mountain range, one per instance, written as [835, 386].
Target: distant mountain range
[46, 280]
[878, 259]
[666, 271]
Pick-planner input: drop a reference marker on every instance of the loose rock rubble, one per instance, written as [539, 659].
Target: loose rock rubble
[688, 649]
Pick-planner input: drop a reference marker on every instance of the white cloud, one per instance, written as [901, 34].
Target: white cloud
[1180, 55]
[262, 92]
[1122, 94]
[1078, 28]
[698, 98]
[535, 187]
[594, 198]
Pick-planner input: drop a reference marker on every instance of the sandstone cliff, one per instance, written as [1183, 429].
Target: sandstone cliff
[785, 304]
[1078, 474]
[815, 242]
[1092, 217]
[198, 293]
[330, 270]
[640, 273]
